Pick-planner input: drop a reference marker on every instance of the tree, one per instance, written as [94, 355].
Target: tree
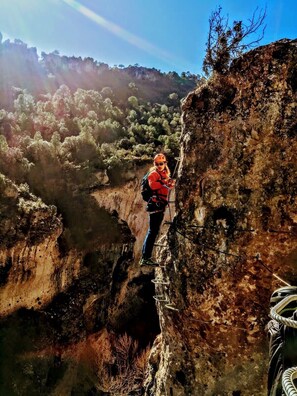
[62, 102]
[24, 103]
[3, 144]
[173, 96]
[226, 43]
[106, 92]
[133, 102]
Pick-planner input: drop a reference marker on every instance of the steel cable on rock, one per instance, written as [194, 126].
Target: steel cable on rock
[255, 257]
[269, 230]
[245, 257]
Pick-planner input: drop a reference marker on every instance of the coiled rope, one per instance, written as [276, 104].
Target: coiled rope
[290, 374]
[274, 312]
[287, 381]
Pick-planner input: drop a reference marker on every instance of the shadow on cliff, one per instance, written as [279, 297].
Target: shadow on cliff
[77, 338]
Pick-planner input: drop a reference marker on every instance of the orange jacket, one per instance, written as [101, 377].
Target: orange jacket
[158, 184]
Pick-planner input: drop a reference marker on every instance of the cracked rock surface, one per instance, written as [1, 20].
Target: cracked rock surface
[235, 212]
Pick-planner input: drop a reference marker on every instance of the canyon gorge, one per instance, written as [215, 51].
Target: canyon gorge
[67, 312]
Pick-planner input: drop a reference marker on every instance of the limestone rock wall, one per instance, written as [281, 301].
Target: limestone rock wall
[32, 270]
[127, 201]
[236, 212]
[36, 274]
[55, 299]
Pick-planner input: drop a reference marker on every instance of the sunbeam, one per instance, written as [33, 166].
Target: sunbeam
[122, 33]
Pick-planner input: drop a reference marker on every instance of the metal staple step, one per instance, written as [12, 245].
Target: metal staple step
[160, 282]
[170, 306]
[159, 298]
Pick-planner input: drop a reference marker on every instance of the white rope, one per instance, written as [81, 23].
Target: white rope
[287, 381]
[274, 312]
[290, 374]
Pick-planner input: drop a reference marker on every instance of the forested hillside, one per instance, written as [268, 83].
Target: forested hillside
[22, 67]
[62, 120]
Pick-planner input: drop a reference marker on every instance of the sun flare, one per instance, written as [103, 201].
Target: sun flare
[122, 33]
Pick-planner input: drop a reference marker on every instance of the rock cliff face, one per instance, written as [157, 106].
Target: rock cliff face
[29, 252]
[236, 214]
[126, 200]
[62, 310]
[235, 225]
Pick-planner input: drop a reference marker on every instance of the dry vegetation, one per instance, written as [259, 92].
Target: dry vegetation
[118, 363]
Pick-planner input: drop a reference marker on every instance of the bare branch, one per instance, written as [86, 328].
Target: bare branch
[225, 43]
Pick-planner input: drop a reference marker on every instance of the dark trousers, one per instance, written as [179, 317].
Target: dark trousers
[154, 227]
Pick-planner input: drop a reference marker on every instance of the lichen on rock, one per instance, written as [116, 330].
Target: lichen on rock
[236, 213]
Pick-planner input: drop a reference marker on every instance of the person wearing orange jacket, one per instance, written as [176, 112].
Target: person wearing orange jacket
[160, 183]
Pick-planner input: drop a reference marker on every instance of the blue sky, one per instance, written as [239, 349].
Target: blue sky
[165, 34]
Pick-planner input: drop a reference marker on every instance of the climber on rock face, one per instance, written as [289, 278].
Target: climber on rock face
[159, 183]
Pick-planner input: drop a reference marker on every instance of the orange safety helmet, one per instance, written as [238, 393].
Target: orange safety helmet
[160, 157]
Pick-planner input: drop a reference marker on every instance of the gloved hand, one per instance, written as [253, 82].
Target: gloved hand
[170, 183]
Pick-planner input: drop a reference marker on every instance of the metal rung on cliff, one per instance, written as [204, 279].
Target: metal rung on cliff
[168, 304]
[160, 282]
[161, 298]
[171, 306]
[158, 265]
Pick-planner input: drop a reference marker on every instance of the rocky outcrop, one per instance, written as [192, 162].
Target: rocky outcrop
[236, 225]
[127, 202]
[63, 310]
[31, 267]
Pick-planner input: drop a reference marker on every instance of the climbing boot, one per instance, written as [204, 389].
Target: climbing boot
[149, 262]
